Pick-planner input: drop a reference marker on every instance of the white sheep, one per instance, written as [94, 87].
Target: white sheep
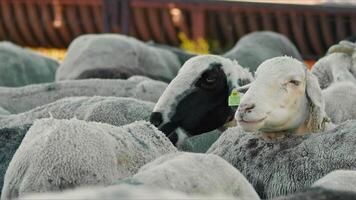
[194, 173]
[124, 192]
[117, 111]
[338, 65]
[337, 185]
[20, 66]
[61, 154]
[116, 56]
[196, 101]
[291, 163]
[285, 97]
[21, 99]
[254, 48]
[340, 101]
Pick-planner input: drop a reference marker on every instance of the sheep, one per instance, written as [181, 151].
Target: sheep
[3, 111]
[17, 100]
[194, 173]
[10, 140]
[60, 154]
[340, 101]
[116, 56]
[202, 86]
[291, 163]
[20, 67]
[254, 48]
[117, 111]
[285, 97]
[338, 65]
[124, 192]
[337, 185]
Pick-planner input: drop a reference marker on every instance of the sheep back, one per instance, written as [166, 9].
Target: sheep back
[287, 165]
[60, 154]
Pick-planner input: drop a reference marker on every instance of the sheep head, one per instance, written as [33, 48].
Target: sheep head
[196, 100]
[285, 97]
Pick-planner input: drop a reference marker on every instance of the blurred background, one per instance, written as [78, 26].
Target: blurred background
[203, 26]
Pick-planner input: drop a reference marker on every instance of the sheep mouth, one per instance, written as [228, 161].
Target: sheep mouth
[251, 121]
[168, 128]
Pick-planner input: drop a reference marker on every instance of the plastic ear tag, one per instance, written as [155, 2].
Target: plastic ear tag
[234, 98]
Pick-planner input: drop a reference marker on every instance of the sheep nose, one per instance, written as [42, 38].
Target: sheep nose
[246, 108]
[156, 118]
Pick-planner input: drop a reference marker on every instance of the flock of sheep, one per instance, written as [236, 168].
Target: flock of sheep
[124, 119]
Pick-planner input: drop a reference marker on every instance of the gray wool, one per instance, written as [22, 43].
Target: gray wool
[193, 173]
[342, 180]
[320, 194]
[105, 52]
[289, 164]
[124, 192]
[62, 154]
[4, 112]
[10, 140]
[340, 101]
[116, 111]
[19, 66]
[254, 48]
[17, 100]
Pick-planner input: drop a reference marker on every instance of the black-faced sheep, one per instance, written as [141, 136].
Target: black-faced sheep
[196, 101]
[61, 154]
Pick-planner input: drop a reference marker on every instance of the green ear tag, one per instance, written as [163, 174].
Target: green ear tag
[234, 98]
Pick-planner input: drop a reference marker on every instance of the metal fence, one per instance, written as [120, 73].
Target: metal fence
[55, 23]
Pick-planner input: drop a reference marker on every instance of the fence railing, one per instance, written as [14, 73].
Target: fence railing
[55, 23]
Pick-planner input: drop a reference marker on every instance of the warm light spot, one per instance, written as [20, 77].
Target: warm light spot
[176, 14]
[57, 54]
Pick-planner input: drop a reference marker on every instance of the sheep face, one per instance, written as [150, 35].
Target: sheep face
[197, 98]
[284, 97]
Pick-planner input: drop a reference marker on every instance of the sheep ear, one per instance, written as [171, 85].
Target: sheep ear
[243, 89]
[317, 112]
[313, 90]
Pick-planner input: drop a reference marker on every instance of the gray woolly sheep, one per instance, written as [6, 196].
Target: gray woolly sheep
[17, 100]
[338, 65]
[19, 66]
[10, 140]
[196, 100]
[254, 48]
[61, 154]
[316, 193]
[124, 192]
[116, 56]
[285, 97]
[291, 163]
[116, 111]
[194, 173]
[340, 101]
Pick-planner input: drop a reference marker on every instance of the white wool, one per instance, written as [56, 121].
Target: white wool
[194, 173]
[60, 154]
[124, 192]
[254, 48]
[342, 180]
[340, 101]
[21, 99]
[112, 51]
[334, 67]
[116, 111]
[281, 105]
[190, 72]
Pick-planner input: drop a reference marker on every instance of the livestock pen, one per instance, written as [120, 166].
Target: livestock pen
[313, 25]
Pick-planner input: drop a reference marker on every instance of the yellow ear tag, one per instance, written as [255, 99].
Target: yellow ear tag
[234, 98]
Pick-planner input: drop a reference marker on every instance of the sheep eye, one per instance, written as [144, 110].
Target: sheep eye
[294, 82]
[210, 80]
